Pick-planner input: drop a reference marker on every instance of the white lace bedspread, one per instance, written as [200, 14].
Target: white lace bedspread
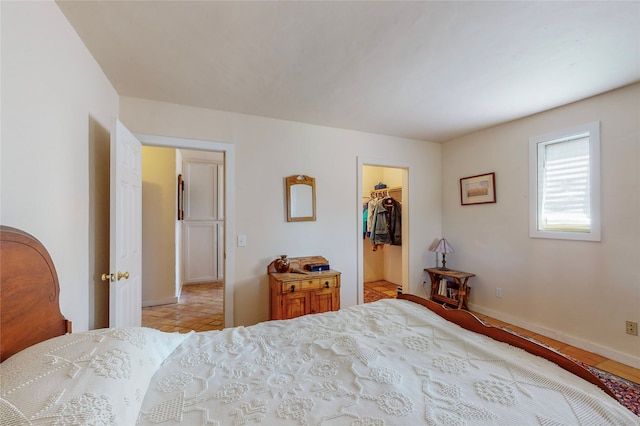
[390, 362]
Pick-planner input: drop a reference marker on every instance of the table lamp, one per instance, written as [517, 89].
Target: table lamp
[444, 248]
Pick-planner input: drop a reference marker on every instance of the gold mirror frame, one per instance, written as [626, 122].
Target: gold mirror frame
[300, 192]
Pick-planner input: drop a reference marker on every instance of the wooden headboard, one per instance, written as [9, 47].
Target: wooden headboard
[29, 293]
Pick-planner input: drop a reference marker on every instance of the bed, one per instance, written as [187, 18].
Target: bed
[392, 362]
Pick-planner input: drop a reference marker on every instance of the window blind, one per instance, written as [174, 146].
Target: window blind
[564, 193]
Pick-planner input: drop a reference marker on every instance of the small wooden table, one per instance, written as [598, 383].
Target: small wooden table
[456, 291]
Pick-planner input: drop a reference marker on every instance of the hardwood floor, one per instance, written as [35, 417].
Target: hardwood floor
[201, 309]
[384, 287]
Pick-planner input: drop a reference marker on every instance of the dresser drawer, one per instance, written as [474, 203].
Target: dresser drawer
[301, 285]
[329, 282]
[310, 284]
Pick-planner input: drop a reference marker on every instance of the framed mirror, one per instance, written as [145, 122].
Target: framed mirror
[301, 198]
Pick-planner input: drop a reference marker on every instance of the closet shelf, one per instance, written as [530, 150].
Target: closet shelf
[390, 189]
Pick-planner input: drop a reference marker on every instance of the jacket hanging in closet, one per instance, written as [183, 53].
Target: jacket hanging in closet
[379, 225]
[394, 220]
[385, 221]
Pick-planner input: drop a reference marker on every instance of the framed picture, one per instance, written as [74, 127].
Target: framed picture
[480, 189]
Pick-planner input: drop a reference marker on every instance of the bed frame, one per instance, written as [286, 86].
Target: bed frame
[29, 293]
[30, 312]
[466, 319]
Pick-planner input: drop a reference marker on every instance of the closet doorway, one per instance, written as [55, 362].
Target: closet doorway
[384, 267]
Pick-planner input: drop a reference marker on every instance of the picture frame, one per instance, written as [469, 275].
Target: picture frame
[479, 189]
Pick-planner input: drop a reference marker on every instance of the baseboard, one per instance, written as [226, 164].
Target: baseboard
[565, 338]
[167, 301]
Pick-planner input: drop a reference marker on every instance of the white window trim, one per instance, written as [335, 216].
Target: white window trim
[594, 173]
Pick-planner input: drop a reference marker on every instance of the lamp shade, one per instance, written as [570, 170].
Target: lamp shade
[444, 247]
[433, 245]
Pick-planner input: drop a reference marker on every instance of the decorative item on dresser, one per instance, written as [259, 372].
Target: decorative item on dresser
[282, 264]
[300, 291]
[454, 292]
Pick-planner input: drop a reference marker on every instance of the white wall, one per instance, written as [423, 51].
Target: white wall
[579, 292]
[56, 108]
[267, 151]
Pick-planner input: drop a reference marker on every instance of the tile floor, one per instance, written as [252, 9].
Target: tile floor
[200, 309]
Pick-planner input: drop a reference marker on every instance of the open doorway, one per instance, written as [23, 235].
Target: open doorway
[227, 175]
[382, 264]
[182, 235]
[382, 245]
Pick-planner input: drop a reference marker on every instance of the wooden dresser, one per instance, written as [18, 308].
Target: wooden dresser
[293, 294]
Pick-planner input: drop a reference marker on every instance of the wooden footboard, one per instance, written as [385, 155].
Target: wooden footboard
[467, 320]
[29, 290]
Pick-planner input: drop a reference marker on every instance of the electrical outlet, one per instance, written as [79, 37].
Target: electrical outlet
[498, 292]
[632, 328]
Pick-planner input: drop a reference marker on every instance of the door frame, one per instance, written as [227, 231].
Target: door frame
[380, 162]
[228, 151]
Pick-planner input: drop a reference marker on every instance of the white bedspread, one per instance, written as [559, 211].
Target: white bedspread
[390, 362]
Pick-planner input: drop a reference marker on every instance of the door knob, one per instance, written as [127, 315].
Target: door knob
[108, 277]
[121, 275]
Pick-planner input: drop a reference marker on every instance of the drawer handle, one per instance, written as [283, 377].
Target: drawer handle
[326, 284]
[293, 288]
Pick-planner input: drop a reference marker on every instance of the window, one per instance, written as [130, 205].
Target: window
[564, 184]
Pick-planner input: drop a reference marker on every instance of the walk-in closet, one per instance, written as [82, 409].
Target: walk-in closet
[381, 230]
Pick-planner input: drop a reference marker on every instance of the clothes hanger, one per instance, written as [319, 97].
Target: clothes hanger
[388, 200]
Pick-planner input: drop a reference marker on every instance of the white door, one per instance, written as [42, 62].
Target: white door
[203, 221]
[125, 239]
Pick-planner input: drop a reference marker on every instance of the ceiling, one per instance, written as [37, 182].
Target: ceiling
[425, 70]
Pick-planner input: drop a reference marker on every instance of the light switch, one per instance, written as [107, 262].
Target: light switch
[242, 240]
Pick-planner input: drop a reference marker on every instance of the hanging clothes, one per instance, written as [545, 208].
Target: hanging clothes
[371, 208]
[380, 226]
[383, 216]
[394, 220]
[365, 217]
